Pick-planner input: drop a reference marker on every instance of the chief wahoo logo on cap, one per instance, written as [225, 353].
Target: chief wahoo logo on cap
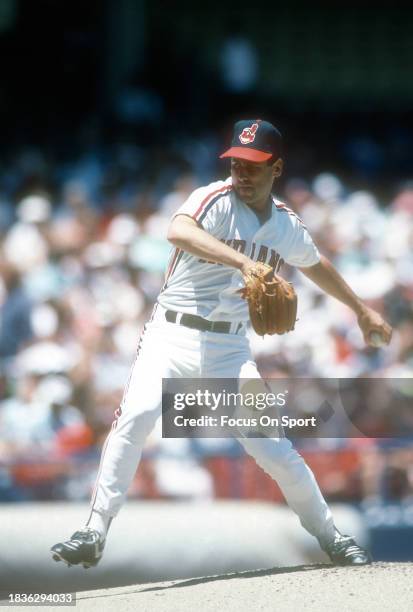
[248, 134]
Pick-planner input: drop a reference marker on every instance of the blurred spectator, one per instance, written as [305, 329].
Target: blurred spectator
[403, 201]
[15, 308]
[239, 63]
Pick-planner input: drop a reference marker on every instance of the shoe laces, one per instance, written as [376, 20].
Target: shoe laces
[344, 544]
[84, 534]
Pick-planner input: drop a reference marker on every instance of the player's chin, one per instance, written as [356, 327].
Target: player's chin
[246, 194]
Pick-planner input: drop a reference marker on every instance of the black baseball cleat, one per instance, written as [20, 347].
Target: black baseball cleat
[85, 547]
[345, 551]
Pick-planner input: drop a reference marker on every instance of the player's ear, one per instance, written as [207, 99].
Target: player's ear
[277, 168]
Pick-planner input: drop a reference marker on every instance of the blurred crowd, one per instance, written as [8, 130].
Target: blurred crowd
[82, 259]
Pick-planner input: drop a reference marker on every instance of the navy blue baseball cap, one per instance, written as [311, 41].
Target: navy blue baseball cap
[255, 140]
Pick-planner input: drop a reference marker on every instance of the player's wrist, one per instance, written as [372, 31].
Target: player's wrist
[360, 309]
[245, 264]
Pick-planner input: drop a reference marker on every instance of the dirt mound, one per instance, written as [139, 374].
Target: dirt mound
[381, 587]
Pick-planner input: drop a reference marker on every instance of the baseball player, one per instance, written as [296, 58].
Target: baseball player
[198, 329]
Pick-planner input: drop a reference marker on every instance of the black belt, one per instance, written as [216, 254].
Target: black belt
[195, 322]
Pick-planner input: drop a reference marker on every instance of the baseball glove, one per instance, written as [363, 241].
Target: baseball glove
[271, 300]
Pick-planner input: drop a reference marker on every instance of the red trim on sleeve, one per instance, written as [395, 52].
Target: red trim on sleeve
[289, 211]
[208, 198]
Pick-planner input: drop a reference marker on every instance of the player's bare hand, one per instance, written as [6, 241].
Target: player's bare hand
[375, 329]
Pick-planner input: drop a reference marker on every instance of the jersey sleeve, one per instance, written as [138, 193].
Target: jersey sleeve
[208, 206]
[303, 253]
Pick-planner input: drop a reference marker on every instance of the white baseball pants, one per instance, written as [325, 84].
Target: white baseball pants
[169, 350]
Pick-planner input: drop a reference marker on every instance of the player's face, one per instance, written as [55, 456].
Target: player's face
[253, 181]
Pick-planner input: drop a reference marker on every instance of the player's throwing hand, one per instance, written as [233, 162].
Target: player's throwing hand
[374, 327]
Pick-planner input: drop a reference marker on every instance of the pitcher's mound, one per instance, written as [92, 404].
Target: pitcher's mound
[314, 588]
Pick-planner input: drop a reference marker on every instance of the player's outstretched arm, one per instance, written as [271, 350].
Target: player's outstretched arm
[329, 280]
[185, 233]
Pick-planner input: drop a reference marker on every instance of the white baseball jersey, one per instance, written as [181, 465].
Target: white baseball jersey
[196, 286]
